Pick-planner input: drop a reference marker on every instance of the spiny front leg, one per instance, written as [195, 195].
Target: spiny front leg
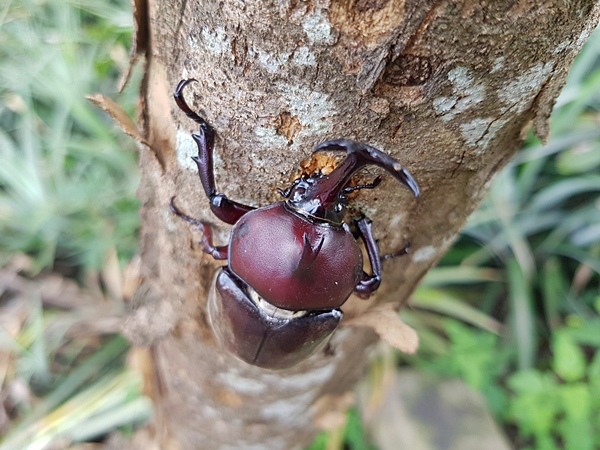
[226, 210]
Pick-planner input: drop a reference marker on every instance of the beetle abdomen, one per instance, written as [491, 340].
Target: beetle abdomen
[256, 336]
[292, 262]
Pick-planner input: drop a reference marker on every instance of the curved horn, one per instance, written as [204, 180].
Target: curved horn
[361, 155]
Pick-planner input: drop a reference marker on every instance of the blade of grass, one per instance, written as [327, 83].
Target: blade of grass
[442, 302]
[464, 274]
[107, 402]
[91, 367]
[554, 291]
[524, 330]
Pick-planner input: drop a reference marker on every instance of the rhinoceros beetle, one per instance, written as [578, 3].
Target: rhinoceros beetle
[292, 264]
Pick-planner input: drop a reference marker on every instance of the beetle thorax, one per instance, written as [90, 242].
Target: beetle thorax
[292, 262]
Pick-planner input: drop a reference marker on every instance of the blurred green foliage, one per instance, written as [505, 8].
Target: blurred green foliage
[68, 176]
[67, 200]
[351, 437]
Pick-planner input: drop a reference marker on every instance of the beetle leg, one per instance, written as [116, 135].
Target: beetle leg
[226, 210]
[217, 252]
[401, 252]
[369, 283]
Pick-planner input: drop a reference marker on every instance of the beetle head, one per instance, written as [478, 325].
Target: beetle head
[322, 197]
[308, 196]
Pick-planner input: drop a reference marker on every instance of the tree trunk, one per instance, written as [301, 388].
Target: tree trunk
[448, 88]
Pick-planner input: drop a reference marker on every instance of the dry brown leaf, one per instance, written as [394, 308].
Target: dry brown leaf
[132, 278]
[118, 115]
[385, 322]
[140, 41]
[112, 276]
[140, 360]
[330, 410]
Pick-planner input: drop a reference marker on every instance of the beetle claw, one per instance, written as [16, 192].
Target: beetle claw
[182, 104]
[372, 185]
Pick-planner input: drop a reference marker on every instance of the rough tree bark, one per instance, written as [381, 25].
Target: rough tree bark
[447, 87]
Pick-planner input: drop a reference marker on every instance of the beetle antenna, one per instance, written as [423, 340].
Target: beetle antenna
[376, 182]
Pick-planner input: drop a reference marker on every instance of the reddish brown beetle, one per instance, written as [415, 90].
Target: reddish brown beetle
[292, 264]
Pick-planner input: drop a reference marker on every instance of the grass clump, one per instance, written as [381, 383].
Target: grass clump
[67, 209]
[68, 177]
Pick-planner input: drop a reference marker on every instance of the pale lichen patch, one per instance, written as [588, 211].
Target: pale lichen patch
[424, 254]
[185, 148]
[520, 92]
[318, 29]
[515, 96]
[216, 41]
[314, 109]
[272, 62]
[465, 94]
[269, 136]
[192, 42]
[498, 64]
[561, 47]
[473, 131]
[479, 132]
[442, 105]
[302, 56]
[491, 133]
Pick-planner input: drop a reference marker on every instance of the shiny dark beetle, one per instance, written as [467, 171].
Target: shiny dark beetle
[292, 264]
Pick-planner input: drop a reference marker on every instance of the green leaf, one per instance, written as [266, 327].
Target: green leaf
[576, 400]
[563, 190]
[577, 434]
[587, 332]
[354, 435]
[568, 359]
[581, 159]
[441, 301]
[522, 321]
[554, 289]
[536, 405]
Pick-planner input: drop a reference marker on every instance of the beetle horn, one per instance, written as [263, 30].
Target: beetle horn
[359, 156]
